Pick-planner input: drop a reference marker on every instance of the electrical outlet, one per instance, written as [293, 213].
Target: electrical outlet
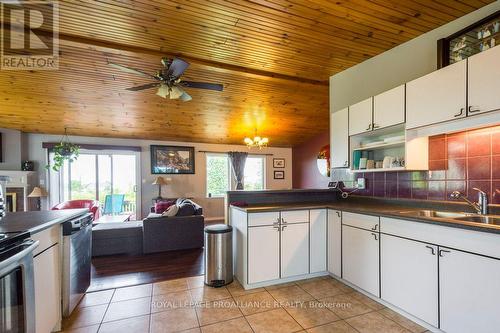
[360, 185]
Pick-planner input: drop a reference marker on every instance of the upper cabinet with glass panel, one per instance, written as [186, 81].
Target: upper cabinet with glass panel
[474, 39]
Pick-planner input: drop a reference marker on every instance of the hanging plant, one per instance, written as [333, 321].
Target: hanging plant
[64, 151]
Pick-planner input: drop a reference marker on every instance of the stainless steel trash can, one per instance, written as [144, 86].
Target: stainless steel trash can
[218, 255]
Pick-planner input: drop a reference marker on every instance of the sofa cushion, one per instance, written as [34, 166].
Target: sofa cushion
[186, 208]
[197, 208]
[171, 211]
[162, 206]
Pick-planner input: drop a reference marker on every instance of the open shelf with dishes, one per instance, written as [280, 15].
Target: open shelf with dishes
[388, 149]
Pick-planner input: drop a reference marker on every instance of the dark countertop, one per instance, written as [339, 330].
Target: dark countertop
[384, 208]
[37, 221]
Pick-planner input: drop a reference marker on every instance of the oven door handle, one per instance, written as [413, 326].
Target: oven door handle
[21, 254]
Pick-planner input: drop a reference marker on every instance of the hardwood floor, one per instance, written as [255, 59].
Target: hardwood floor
[116, 271]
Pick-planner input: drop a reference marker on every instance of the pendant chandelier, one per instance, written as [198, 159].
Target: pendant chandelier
[257, 141]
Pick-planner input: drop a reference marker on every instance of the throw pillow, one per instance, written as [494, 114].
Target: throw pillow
[162, 206]
[186, 209]
[171, 211]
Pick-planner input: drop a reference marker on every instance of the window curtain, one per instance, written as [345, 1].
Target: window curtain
[238, 160]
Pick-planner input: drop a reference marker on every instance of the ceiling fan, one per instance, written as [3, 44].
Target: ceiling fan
[168, 79]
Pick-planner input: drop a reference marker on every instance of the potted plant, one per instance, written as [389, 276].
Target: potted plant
[64, 151]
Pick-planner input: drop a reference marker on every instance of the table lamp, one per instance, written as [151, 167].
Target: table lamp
[160, 181]
[38, 193]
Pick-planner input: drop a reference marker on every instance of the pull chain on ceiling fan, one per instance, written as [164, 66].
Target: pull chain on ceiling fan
[168, 80]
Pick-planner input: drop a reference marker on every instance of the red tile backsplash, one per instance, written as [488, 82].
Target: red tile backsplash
[457, 162]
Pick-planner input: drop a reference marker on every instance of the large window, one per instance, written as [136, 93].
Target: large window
[220, 176]
[218, 181]
[254, 173]
[109, 177]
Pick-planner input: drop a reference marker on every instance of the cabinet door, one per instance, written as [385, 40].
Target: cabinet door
[339, 138]
[389, 108]
[409, 276]
[318, 236]
[294, 249]
[47, 289]
[437, 97]
[263, 254]
[484, 81]
[360, 258]
[469, 292]
[335, 242]
[360, 117]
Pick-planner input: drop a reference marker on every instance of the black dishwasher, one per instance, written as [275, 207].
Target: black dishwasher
[77, 252]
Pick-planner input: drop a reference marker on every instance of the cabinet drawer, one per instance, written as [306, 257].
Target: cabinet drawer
[295, 216]
[367, 222]
[47, 238]
[268, 218]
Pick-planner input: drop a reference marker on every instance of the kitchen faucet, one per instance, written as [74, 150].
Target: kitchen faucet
[481, 206]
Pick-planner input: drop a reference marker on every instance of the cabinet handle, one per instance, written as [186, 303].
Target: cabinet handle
[283, 221]
[369, 127]
[283, 227]
[443, 251]
[375, 235]
[473, 110]
[432, 249]
[338, 213]
[375, 126]
[375, 227]
[346, 163]
[460, 113]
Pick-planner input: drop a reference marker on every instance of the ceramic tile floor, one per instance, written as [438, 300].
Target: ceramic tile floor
[316, 305]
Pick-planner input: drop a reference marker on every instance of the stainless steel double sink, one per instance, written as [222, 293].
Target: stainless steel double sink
[458, 216]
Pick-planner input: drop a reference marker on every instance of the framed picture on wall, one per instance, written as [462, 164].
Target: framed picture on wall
[172, 160]
[279, 174]
[278, 162]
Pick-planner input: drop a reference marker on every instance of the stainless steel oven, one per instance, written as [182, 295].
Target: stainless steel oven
[17, 293]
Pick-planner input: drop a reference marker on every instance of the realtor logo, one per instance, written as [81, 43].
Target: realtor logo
[29, 35]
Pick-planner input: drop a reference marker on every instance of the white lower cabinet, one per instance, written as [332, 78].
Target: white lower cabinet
[360, 258]
[318, 237]
[263, 254]
[47, 289]
[335, 242]
[469, 292]
[294, 249]
[409, 275]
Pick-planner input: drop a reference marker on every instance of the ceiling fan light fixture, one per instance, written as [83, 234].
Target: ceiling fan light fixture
[175, 92]
[163, 91]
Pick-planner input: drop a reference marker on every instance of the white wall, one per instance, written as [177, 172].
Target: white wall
[398, 65]
[12, 149]
[182, 185]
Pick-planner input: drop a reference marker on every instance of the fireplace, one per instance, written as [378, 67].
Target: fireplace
[14, 199]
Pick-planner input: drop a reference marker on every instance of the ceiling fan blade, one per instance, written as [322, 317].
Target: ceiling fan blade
[131, 70]
[144, 86]
[202, 85]
[177, 67]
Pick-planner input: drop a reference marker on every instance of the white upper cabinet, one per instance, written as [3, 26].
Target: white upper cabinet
[360, 117]
[437, 97]
[339, 137]
[389, 108]
[484, 81]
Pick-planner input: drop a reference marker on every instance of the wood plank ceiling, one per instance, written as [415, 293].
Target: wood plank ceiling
[273, 57]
